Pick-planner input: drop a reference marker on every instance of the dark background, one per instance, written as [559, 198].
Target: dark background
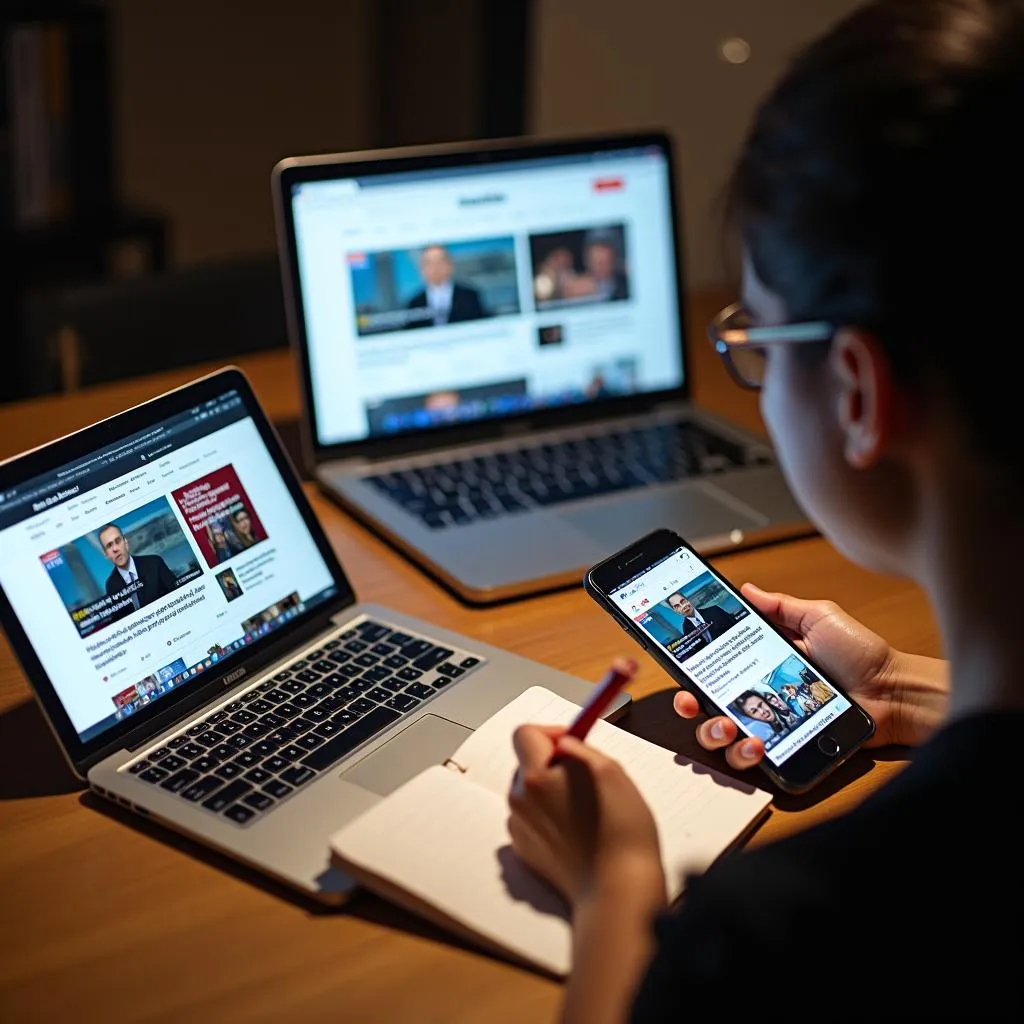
[179, 109]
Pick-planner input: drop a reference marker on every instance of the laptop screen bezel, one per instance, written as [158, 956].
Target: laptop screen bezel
[301, 170]
[172, 706]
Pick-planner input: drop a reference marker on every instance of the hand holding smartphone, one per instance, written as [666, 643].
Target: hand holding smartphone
[714, 644]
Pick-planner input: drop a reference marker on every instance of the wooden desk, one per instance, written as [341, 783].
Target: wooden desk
[106, 916]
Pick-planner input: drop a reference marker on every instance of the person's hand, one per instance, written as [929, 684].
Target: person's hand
[906, 695]
[581, 824]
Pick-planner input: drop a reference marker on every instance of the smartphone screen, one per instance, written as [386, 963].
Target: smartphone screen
[745, 667]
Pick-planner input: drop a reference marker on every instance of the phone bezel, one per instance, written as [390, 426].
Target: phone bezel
[808, 765]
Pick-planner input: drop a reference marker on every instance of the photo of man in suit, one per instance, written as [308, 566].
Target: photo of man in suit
[709, 621]
[447, 301]
[150, 571]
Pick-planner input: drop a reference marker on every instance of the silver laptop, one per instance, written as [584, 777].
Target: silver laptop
[492, 354]
[199, 652]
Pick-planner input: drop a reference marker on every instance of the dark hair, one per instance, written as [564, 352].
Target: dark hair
[109, 526]
[778, 725]
[874, 188]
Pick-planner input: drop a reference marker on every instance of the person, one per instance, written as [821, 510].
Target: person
[711, 620]
[760, 718]
[787, 715]
[147, 576]
[608, 279]
[229, 585]
[223, 542]
[873, 207]
[244, 528]
[791, 697]
[446, 301]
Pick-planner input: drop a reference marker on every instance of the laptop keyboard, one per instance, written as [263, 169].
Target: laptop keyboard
[272, 740]
[466, 490]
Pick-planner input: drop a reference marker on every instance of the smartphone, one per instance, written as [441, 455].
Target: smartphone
[714, 644]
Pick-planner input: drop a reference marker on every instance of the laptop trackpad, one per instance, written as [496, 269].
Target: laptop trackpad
[424, 743]
[690, 511]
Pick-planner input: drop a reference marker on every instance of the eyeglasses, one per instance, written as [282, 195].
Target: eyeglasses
[742, 345]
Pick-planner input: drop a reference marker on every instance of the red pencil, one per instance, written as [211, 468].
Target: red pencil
[621, 672]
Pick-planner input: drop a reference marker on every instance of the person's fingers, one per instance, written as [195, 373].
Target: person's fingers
[685, 704]
[716, 733]
[745, 754]
[793, 614]
[533, 747]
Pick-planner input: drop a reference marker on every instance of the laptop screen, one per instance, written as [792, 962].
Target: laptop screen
[140, 567]
[473, 291]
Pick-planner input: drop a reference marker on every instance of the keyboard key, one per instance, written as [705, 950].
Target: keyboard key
[303, 700]
[292, 686]
[331, 644]
[205, 764]
[377, 674]
[372, 631]
[348, 739]
[431, 658]
[219, 716]
[223, 752]
[311, 741]
[240, 814]
[441, 681]
[300, 725]
[195, 730]
[382, 649]
[450, 670]
[279, 737]
[378, 693]
[416, 648]
[190, 749]
[178, 741]
[394, 684]
[324, 666]
[248, 698]
[258, 801]
[324, 729]
[292, 752]
[399, 639]
[282, 677]
[344, 718]
[420, 690]
[139, 767]
[361, 685]
[356, 646]
[314, 654]
[227, 795]
[159, 754]
[351, 671]
[296, 665]
[154, 774]
[210, 739]
[332, 703]
[202, 788]
[247, 759]
[277, 789]
[239, 741]
[258, 776]
[402, 702]
[307, 676]
[340, 657]
[318, 714]
[321, 689]
[264, 748]
[171, 762]
[469, 662]
[275, 764]
[261, 706]
[396, 661]
[411, 674]
[367, 660]
[256, 729]
[276, 695]
[297, 775]
[229, 728]
[245, 717]
[361, 706]
[228, 770]
[235, 705]
[274, 721]
[177, 782]
[287, 711]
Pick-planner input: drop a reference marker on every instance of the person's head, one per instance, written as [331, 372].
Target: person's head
[115, 545]
[869, 200]
[218, 533]
[600, 259]
[753, 705]
[775, 701]
[789, 690]
[436, 265]
[242, 522]
[678, 603]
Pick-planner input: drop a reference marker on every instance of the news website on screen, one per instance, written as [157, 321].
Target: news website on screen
[747, 669]
[139, 568]
[469, 293]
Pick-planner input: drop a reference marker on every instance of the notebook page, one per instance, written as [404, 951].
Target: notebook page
[444, 840]
[699, 812]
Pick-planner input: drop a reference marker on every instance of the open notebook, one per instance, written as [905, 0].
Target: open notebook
[439, 845]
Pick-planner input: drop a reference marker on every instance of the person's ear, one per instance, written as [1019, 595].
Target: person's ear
[865, 401]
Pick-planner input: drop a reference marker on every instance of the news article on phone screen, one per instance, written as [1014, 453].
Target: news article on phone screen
[706, 636]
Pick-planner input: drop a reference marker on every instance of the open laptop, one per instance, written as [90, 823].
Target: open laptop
[491, 341]
[199, 652]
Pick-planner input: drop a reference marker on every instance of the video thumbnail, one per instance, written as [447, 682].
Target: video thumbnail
[579, 267]
[229, 584]
[128, 563]
[437, 408]
[693, 616]
[441, 283]
[781, 700]
[220, 515]
[274, 614]
[147, 689]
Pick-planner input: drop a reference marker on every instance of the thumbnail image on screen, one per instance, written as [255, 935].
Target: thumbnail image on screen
[220, 515]
[579, 267]
[128, 563]
[440, 283]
